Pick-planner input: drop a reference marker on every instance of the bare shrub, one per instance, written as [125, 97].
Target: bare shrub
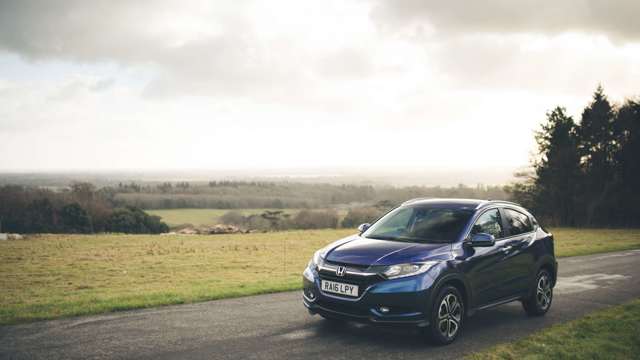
[257, 222]
[359, 216]
[316, 219]
[233, 218]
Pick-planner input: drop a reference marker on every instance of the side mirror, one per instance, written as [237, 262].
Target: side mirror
[363, 227]
[482, 240]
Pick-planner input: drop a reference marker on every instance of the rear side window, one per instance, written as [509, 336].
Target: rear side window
[519, 223]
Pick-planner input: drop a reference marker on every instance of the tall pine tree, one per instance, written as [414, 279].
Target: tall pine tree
[628, 164]
[587, 174]
[597, 144]
[558, 169]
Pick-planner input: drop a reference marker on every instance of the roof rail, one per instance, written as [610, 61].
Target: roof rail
[411, 201]
[489, 201]
[482, 204]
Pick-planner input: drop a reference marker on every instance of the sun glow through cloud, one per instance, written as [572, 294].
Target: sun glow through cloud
[167, 85]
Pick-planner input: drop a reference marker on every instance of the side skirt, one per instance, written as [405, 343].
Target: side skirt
[497, 303]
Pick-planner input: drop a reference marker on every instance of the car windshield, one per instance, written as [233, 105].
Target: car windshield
[420, 224]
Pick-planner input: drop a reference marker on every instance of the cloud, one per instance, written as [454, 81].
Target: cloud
[179, 83]
[215, 56]
[347, 63]
[244, 49]
[102, 84]
[228, 65]
[76, 30]
[615, 19]
[37, 106]
[305, 54]
[563, 64]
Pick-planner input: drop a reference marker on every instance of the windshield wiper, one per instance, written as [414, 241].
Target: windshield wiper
[393, 238]
[379, 237]
[421, 240]
[408, 239]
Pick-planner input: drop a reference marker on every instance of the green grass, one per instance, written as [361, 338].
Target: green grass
[61, 275]
[197, 217]
[613, 333]
[575, 242]
[52, 276]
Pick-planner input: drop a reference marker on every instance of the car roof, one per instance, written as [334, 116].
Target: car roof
[472, 204]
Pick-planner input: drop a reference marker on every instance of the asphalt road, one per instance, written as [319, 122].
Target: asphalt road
[277, 326]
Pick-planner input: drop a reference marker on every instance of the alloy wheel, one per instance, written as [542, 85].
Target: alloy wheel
[544, 292]
[449, 315]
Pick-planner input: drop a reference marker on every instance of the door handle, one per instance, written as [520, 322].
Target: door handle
[517, 243]
[506, 248]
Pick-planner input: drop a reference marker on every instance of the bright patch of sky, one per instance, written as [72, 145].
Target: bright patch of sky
[162, 84]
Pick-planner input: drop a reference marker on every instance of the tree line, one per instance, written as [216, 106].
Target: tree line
[83, 208]
[587, 172]
[80, 209]
[281, 195]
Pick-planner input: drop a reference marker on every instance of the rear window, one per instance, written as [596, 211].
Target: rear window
[519, 223]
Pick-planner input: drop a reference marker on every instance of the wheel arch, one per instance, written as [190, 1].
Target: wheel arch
[458, 281]
[548, 263]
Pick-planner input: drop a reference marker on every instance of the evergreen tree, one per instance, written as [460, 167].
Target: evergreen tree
[597, 144]
[523, 190]
[75, 219]
[628, 164]
[40, 217]
[558, 169]
[133, 220]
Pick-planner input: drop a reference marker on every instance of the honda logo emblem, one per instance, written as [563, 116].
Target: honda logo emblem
[340, 271]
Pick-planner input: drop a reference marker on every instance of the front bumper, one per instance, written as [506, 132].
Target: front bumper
[402, 301]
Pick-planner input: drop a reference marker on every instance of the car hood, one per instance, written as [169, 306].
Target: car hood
[357, 250]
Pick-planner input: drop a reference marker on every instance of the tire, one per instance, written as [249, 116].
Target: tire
[447, 317]
[539, 302]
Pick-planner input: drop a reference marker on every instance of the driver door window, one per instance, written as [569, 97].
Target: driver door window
[489, 223]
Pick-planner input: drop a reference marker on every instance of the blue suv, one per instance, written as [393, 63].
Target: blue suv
[431, 264]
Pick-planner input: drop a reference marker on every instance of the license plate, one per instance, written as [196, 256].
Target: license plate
[340, 288]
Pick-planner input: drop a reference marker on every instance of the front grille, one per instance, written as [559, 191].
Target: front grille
[363, 282]
[349, 266]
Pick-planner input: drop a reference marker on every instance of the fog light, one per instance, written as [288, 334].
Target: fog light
[310, 295]
[384, 309]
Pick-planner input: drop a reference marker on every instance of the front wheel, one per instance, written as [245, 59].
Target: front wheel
[539, 302]
[447, 316]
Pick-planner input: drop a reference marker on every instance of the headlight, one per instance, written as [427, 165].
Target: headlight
[402, 270]
[318, 258]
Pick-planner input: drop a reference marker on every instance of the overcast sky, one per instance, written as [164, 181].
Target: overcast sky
[284, 84]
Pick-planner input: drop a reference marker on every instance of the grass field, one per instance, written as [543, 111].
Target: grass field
[61, 275]
[199, 217]
[607, 334]
[575, 242]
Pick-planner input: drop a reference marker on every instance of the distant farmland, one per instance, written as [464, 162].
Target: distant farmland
[197, 217]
